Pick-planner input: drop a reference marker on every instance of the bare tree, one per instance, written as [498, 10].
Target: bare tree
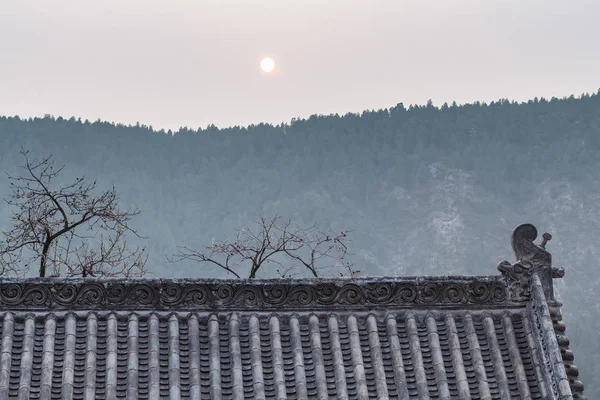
[67, 230]
[275, 242]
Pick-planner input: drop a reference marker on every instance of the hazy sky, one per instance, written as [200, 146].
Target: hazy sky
[171, 63]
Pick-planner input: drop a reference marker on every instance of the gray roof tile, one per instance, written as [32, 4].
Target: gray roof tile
[378, 355]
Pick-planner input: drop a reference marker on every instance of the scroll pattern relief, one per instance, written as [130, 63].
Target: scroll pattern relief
[169, 295]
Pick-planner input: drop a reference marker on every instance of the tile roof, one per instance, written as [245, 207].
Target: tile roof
[493, 337]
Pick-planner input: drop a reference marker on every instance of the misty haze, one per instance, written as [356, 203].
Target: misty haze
[420, 135]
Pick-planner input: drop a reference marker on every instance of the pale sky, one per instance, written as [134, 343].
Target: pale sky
[175, 63]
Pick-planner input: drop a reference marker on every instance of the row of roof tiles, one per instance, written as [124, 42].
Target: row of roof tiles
[341, 356]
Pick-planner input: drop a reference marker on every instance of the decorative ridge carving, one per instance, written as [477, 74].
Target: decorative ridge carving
[521, 241]
[518, 280]
[531, 258]
[214, 294]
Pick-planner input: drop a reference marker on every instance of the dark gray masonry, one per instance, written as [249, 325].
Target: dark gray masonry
[457, 337]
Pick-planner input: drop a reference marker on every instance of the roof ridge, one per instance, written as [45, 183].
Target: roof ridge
[256, 295]
[562, 373]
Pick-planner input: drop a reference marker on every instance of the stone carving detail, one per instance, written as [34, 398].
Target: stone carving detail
[531, 258]
[518, 279]
[525, 250]
[213, 294]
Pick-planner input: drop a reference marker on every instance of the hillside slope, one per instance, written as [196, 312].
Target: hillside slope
[425, 190]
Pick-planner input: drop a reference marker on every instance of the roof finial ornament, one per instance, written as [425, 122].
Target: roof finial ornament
[547, 237]
[531, 258]
[526, 250]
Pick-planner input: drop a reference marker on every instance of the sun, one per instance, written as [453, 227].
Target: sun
[267, 65]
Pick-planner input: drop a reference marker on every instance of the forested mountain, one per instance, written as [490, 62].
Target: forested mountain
[425, 190]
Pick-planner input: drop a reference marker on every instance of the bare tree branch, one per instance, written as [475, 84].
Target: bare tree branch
[275, 242]
[48, 226]
[189, 254]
